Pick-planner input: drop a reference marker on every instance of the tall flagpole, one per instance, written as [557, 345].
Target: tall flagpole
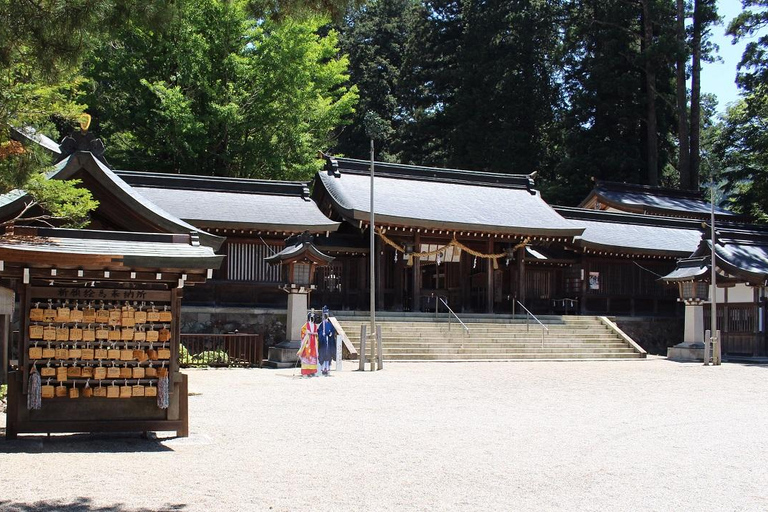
[714, 339]
[372, 259]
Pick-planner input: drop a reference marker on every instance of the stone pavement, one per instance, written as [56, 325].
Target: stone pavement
[623, 435]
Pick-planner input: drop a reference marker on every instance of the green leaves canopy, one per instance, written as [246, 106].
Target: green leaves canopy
[217, 92]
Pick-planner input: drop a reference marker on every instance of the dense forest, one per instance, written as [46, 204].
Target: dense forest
[570, 89]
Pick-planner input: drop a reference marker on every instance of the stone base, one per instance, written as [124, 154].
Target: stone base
[283, 355]
[687, 352]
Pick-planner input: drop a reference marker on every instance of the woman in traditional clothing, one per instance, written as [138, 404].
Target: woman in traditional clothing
[308, 350]
[327, 342]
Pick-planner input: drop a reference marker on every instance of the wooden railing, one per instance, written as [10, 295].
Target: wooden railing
[235, 349]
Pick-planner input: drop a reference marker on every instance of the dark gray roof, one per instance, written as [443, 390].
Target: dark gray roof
[139, 250]
[131, 198]
[689, 269]
[440, 198]
[741, 254]
[635, 233]
[646, 199]
[216, 202]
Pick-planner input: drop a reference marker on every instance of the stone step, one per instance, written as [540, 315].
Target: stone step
[490, 336]
[494, 346]
[554, 356]
[475, 352]
[422, 338]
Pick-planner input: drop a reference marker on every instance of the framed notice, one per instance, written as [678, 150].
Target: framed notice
[594, 280]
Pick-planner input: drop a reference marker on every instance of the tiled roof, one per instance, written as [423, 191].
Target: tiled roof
[622, 232]
[646, 199]
[440, 198]
[133, 200]
[146, 250]
[214, 202]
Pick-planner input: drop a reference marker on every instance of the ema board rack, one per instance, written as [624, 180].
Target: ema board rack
[84, 347]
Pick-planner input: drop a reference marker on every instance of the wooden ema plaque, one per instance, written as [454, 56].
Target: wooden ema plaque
[98, 337]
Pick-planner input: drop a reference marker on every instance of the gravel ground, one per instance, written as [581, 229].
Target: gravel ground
[622, 435]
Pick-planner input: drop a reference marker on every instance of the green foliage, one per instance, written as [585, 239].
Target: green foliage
[62, 199]
[742, 145]
[3, 391]
[41, 46]
[205, 358]
[217, 92]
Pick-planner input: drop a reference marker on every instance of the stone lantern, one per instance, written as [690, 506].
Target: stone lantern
[299, 259]
[690, 277]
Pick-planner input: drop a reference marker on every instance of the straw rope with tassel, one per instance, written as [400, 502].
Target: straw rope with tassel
[453, 243]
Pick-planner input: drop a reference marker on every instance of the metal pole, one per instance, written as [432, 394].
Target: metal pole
[373, 269]
[713, 316]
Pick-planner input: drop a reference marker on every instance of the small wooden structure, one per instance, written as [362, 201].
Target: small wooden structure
[99, 308]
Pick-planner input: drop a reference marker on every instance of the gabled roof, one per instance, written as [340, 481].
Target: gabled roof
[237, 203]
[134, 207]
[741, 254]
[413, 196]
[633, 233]
[630, 197]
[300, 248]
[689, 269]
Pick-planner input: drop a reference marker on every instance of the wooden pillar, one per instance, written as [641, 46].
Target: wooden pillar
[584, 280]
[489, 280]
[4, 337]
[379, 264]
[363, 278]
[464, 278]
[724, 328]
[416, 288]
[756, 337]
[399, 271]
[520, 257]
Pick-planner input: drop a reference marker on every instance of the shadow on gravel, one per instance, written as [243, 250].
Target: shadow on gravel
[82, 443]
[79, 505]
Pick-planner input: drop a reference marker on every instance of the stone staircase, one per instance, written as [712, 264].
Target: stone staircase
[422, 337]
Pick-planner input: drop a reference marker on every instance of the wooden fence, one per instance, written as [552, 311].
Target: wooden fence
[232, 350]
[740, 333]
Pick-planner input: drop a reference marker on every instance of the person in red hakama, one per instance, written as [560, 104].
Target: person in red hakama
[308, 351]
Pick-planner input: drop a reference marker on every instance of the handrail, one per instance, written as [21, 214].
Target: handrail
[527, 324]
[445, 303]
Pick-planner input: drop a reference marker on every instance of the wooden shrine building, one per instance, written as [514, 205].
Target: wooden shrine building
[255, 216]
[471, 238]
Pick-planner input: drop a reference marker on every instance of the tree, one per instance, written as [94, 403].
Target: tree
[683, 129]
[41, 44]
[219, 92]
[742, 137]
[374, 37]
[508, 86]
[609, 95]
[704, 16]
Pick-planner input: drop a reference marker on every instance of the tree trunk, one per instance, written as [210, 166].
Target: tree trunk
[652, 143]
[695, 161]
[684, 152]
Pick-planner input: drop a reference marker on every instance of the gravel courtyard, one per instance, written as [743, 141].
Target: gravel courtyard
[624, 435]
